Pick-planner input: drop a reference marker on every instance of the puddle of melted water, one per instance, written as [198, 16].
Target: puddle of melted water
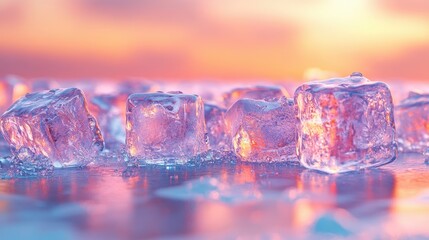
[246, 201]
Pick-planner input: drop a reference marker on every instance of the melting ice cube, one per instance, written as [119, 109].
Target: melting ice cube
[412, 123]
[165, 127]
[55, 124]
[263, 131]
[345, 124]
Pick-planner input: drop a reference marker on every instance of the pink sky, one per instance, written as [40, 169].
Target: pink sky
[215, 39]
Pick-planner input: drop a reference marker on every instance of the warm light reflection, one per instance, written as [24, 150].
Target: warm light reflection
[242, 143]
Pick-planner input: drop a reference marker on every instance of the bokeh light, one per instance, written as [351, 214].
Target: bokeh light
[277, 40]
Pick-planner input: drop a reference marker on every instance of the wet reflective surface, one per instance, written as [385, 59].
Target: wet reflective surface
[216, 200]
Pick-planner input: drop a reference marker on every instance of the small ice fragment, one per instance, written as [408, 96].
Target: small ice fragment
[165, 128]
[267, 93]
[345, 124]
[55, 124]
[263, 131]
[412, 123]
[215, 124]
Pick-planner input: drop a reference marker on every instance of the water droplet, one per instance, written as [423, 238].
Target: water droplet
[356, 74]
[206, 138]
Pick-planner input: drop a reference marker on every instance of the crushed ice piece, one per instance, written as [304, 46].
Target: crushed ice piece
[213, 156]
[267, 93]
[412, 123]
[164, 128]
[26, 163]
[215, 124]
[262, 131]
[55, 124]
[345, 124]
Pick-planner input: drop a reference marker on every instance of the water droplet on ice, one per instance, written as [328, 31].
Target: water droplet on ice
[356, 74]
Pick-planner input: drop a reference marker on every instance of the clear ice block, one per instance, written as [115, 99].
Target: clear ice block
[267, 93]
[165, 128]
[215, 124]
[412, 123]
[263, 131]
[55, 124]
[345, 124]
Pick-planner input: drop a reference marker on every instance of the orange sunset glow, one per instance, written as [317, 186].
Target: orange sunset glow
[215, 39]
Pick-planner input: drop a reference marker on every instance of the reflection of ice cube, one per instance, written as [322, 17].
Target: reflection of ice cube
[345, 124]
[215, 124]
[268, 93]
[55, 124]
[412, 123]
[164, 127]
[262, 131]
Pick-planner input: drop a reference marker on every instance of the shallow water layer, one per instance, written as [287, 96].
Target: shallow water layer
[218, 200]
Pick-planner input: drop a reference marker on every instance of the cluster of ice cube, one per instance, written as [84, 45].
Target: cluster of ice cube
[335, 125]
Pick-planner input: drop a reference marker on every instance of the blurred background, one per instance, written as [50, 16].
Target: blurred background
[229, 40]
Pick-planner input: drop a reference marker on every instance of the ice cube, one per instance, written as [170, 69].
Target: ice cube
[345, 124]
[268, 93]
[55, 124]
[263, 131]
[165, 128]
[215, 124]
[412, 123]
[109, 110]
